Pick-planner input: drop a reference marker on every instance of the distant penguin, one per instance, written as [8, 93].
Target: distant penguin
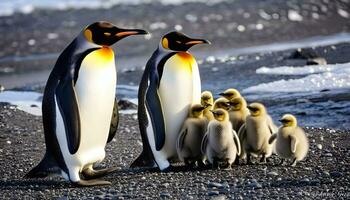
[221, 143]
[238, 112]
[291, 141]
[207, 101]
[80, 112]
[255, 133]
[169, 86]
[191, 136]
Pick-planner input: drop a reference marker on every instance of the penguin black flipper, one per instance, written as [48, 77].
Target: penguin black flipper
[68, 106]
[114, 121]
[155, 111]
[148, 91]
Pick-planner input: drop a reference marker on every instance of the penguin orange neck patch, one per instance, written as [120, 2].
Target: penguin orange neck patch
[101, 57]
[106, 52]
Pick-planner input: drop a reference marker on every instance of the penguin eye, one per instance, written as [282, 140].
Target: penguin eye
[107, 34]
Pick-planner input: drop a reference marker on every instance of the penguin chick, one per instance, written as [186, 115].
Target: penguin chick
[191, 135]
[207, 101]
[291, 141]
[221, 143]
[221, 103]
[230, 93]
[238, 112]
[255, 133]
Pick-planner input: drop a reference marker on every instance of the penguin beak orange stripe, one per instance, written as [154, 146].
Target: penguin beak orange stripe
[194, 42]
[131, 32]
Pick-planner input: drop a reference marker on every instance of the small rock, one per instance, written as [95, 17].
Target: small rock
[214, 184]
[319, 146]
[328, 155]
[272, 173]
[213, 193]
[165, 194]
[166, 185]
[220, 197]
[316, 61]
[336, 174]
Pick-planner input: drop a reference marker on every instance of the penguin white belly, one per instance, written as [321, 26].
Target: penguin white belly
[179, 88]
[95, 93]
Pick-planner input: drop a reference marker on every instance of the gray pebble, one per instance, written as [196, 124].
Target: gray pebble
[213, 193]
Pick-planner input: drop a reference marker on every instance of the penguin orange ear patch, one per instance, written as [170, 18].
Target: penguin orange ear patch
[165, 43]
[88, 35]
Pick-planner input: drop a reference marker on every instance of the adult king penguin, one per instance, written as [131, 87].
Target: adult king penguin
[169, 86]
[79, 107]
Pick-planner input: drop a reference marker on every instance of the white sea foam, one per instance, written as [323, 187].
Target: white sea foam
[9, 7]
[309, 69]
[329, 80]
[29, 102]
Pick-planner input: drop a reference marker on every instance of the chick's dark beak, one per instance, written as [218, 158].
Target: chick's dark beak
[207, 105]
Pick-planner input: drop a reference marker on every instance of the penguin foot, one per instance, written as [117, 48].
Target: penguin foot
[227, 166]
[216, 164]
[92, 182]
[89, 173]
[282, 161]
[168, 169]
[200, 164]
[236, 161]
[249, 161]
[263, 159]
[294, 163]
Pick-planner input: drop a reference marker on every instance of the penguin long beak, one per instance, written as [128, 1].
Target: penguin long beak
[197, 41]
[127, 32]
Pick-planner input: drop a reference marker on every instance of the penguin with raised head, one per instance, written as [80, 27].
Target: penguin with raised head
[291, 141]
[191, 136]
[207, 101]
[79, 106]
[169, 86]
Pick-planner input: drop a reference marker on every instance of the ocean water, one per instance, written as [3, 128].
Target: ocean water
[9, 7]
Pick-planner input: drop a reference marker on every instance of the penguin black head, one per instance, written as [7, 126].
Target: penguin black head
[177, 41]
[106, 34]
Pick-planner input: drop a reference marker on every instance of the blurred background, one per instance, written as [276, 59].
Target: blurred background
[291, 55]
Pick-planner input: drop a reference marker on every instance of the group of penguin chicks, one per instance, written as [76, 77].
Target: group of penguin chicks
[224, 131]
